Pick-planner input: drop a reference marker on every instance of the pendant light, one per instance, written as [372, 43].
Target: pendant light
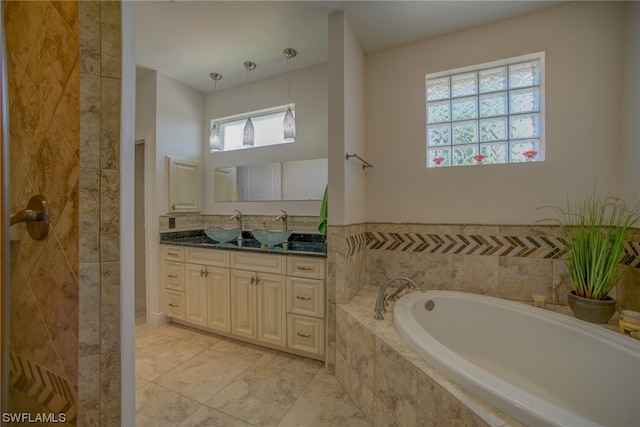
[215, 143]
[289, 119]
[248, 133]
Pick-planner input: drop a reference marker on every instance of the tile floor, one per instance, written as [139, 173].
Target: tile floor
[186, 377]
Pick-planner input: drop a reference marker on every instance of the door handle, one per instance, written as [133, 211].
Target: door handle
[36, 215]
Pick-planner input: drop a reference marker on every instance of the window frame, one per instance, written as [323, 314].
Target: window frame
[242, 117]
[476, 122]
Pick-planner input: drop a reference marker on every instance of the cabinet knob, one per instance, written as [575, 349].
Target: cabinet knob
[173, 276]
[173, 305]
[172, 253]
[303, 298]
[173, 207]
[303, 335]
[303, 268]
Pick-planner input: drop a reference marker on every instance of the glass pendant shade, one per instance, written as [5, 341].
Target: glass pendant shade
[214, 139]
[248, 133]
[289, 126]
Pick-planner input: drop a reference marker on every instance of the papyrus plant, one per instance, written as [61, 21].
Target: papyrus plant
[595, 231]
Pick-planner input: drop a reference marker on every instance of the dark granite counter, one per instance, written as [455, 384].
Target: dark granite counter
[299, 244]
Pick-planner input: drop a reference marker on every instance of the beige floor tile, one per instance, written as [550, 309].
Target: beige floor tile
[241, 349]
[158, 407]
[298, 365]
[162, 355]
[259, 396]
[240, 384]
[208, 417]
[194, 336]
[323, 405]
[204, 375]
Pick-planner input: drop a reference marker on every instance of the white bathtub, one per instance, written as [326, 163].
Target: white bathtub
[540, 367]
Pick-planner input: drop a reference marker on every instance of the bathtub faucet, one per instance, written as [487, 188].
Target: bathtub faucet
[381, 302]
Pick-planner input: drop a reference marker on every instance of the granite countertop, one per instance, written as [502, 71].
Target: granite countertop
[299, 244]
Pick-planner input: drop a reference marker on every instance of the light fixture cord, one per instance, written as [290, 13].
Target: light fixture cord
[248, 91]
[288, 74]
[215, 87]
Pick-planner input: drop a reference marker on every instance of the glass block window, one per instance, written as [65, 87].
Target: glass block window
[486, 114]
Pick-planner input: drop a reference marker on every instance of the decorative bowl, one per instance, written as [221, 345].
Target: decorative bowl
[271, 238]
[222, 235]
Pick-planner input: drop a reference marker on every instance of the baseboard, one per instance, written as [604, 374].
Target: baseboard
[157, 319]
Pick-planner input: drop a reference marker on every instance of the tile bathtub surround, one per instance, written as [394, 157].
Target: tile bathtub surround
[511, 262]
[186, 377]
[390, 383]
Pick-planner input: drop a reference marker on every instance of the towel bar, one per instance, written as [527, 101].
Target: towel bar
[365, 164]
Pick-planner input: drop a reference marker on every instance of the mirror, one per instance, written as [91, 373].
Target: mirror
[295, 180]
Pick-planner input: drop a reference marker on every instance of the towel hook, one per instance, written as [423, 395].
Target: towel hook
[36, 215]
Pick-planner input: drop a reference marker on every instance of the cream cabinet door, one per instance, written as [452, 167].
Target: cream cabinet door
[271, 309]
[196, 294]
[218, 299]
[243, 304]
[183, 186]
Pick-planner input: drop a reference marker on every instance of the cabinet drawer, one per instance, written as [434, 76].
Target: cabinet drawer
[305, 333]
[212, 257]
[258, 262]
[172, 253]
[305, 296]
[311, 268]
[174, 304]
[173, 275]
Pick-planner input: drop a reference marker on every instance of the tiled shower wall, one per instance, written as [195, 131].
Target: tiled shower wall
[64, 90]
[99, 341]
[44, 85]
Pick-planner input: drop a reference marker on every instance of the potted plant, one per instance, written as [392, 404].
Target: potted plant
[595, 231]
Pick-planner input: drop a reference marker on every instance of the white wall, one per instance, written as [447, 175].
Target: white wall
[309, 93]
[346, 124]
[169, 117]
[180, 128]
[583, 45]
[631, 125]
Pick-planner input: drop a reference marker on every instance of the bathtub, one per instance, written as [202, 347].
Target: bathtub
[540, 367]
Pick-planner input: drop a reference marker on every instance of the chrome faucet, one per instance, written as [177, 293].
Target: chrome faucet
[285, 220]
[381, 302]
[238, 216]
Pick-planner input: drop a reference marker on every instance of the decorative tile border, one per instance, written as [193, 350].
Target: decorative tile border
[43, 386]
[472, 244]
[356, 243]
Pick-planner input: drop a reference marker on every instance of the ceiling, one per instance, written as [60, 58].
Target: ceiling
[187, 40]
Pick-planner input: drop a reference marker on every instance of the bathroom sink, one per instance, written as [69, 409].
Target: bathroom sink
[222, 235]
[271, 238]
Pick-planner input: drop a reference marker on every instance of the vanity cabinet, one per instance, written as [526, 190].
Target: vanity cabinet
[207, 289]
[306, 304]
[183, 190]
[173, 281]
[269, 299]
[258, 297]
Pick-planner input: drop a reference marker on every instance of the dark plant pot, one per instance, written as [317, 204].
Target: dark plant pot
[592, 310]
